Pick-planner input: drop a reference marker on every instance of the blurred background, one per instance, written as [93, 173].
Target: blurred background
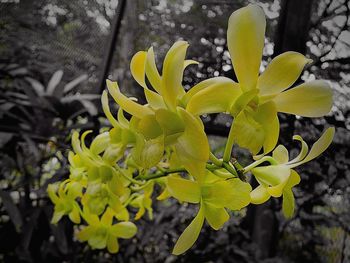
[54, 58]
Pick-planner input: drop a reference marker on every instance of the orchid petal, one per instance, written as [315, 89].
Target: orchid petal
[214, 99]
[148, 127]
[243, 100]
[233, 194]
[171, 123]
[274, 177]
[288, 203]
[248, 133]
[106, 109]
[51, 190]
[122, 120]
[152, 71]
[190, 62]
[148, 153]
[126, 103]
[266, 115]
[98, 241]
[259, 195]
[216, 217]
[123, 230]
[282, 72]
[184, 190]
[245, 39]
[112, 245]
[100, 143]
[203, 85]
[107, 217]
[311, 99]
[192, 146]
[280, 154]
[86, 233]
[303, 152]
[190, 234]
[172, 74]
[137, 68]
[74, 215]
[318, 147]
[239, 194]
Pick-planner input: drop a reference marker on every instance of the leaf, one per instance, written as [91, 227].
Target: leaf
[72, 84]
[54, 81]
[37, 86]
[12, 209]
[90, 107]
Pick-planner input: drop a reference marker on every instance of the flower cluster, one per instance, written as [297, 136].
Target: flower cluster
[164, 143]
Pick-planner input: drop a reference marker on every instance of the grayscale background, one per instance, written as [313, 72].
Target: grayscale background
[54, 58]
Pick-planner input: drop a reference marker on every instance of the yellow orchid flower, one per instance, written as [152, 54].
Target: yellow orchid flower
[279, 178]
[164, 142]
[255, 100]
[163, 122]
[144, 202]
[213, 195]
[65, 203]
[102, 233]
[98, 196]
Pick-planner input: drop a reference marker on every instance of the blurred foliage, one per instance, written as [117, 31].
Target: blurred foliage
[39, 107]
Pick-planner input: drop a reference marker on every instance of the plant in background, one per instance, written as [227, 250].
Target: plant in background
[164, 142]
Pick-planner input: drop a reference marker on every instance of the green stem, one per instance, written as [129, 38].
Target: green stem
[256, 163]
[229, 145]
[162, 173]
[215, 160]
[139, 187]
[127, 177]
[132, 196]
[229, 168]
[237, 165]
[222, 164]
